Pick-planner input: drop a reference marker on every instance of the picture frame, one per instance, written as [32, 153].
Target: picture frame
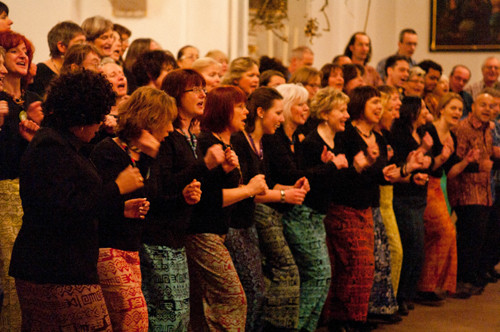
[467, 25]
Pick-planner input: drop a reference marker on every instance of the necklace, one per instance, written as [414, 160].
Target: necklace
[18, 101]
[133, 161]
[224, 145]
[259, 152]
[192, 141]
[363, 134]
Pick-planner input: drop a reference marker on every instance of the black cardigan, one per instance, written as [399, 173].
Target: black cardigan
[63, 197]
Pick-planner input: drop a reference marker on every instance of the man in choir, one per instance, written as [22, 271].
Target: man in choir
[407, 45]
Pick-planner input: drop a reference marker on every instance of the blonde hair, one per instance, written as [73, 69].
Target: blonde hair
[304, 74]
[147, 108]
[238, 67]
[325, 100]
[217, 55]
[386, 92]
[292, 94]
[416, 71]
[205, 62]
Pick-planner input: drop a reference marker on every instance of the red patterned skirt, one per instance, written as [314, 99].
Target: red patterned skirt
[350, 240]
[120, 278]
[55, 308]
[440, 262]
[218, 302]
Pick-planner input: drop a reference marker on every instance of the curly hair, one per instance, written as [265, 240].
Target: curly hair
[147, 108]
[10, 39]
[77, 99]
[325, 100]
[219, 108]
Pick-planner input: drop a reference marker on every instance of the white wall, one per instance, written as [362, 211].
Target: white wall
[173, 23]
[387, 18]
[222, 24]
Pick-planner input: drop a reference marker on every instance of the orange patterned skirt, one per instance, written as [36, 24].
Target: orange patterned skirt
[54, 307]
[440, 264]
[120, 278]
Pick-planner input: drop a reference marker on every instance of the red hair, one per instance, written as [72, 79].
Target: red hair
[10, 39]
[219, 107]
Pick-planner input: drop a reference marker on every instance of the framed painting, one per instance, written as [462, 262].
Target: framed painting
[465, 25]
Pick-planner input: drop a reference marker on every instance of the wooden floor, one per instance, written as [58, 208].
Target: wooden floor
[480, 313]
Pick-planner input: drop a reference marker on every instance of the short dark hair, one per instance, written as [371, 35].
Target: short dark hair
[261, 97]
[180, 53]
[351, 71]
[62, 32]
[456, 66]
[122, 30]
[358, 98]
[77, 99]
[326, 71]
[267, 63]
[348, 52]
[265, 77]
[4, 8]
[392, 61]
[149, 66]
[404, 31]
[219, 107]
[428, 64]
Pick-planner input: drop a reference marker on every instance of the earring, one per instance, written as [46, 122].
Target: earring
[261, 117]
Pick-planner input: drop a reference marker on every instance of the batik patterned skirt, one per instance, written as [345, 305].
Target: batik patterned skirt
[165, 284]
[382, 298]
[305, 233]
[56, 308]
[440, 263]
[218, 301]
[243, 245]
[281, 305]
[392, 232]
[350, 240]
[120, 279]
[11, 213]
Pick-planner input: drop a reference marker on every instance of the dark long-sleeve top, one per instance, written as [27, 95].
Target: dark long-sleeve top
[402, 144]
[242, 215]
[116, 231]
[63, 197]
[177, 166]
[12, 144]
[209, 216]
[436, 150]
[44, 75]
[322, 177]
[281, 163]
[358, 190]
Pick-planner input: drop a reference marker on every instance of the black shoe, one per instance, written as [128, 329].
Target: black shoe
[384, 319]
[489, 278]
[462, 292]
[403, 308]
[494, 273]
[429, 299]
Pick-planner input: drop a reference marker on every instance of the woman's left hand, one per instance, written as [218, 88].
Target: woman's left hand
[136, 208]
[27, 129]
[35, 112]
[302, 183]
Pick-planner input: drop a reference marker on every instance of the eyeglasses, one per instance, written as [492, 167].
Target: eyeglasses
[197, 90]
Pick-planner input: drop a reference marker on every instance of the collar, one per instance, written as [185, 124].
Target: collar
[476, 123]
